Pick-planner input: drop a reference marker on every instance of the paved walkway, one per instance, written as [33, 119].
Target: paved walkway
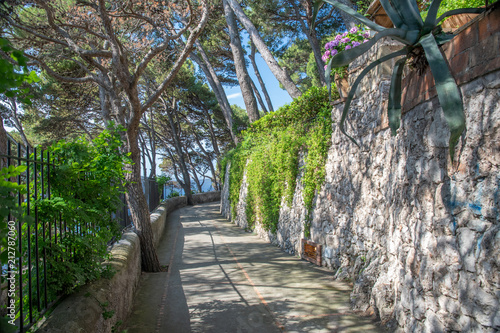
[223, 279]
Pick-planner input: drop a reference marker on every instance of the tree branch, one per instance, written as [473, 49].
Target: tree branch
[61, 77]
[182, 57]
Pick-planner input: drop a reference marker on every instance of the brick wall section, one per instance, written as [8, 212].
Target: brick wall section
[474, 52]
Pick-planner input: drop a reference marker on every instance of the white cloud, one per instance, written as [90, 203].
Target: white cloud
[234, 96]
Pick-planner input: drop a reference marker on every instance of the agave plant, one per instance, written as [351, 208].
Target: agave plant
[413, 32]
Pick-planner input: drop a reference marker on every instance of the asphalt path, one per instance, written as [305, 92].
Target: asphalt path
[223, 279]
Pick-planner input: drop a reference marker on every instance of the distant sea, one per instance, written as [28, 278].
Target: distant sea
[207, 187]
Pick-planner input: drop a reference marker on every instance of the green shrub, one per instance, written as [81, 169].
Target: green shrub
[269, 152]
[173, 194]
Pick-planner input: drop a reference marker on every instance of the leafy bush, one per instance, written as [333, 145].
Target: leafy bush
[269, 152]
[73, 226]
[86, 185]
[447, 5]
[173, 194]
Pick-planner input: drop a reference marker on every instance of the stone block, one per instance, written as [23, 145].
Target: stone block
[432, 324]
[467, 245]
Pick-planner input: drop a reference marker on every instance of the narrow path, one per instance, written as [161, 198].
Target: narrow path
[223, 279]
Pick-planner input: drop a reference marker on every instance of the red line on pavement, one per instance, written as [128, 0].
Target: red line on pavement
[264, 302]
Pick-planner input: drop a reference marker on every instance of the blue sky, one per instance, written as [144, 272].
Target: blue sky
[279, 97]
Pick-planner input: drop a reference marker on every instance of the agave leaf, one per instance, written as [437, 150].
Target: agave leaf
[430, 20]
[393, 14]
[460, 11]
[316, 7]
[356, 15]
[356, 83]
[444, 38]
[394, 103]
[408, 14]
[414, 11]
[347, 56]
[447, 90]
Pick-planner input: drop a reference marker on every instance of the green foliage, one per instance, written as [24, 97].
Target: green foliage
[161, 181]
[173, 194]
[296, 60]
[14, 75]
[414, 32]
[269, 152]
[86, 186]
[240, 119]
[86, 182]
[8, 204]
[447, 5]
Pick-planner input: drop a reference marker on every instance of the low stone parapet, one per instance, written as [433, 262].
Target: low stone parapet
[103, 304]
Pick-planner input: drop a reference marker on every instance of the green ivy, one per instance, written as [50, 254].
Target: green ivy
[269, 153]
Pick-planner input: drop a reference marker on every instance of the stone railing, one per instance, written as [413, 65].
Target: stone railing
[82, 312]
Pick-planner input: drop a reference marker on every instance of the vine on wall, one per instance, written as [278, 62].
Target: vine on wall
[269, 152]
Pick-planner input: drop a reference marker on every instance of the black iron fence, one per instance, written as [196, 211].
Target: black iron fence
[26, 271]
[153, 194]
[40, 244]
[153, 197]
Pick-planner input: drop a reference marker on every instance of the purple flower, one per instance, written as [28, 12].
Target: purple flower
[353, 30]
[344, 34]
[334, 52]
[325, 56]
[365, 41]
[338, 37]
[366, 34]
[335, 43]
[348, 47]
[345, 40]
[325, 67]
[354, 44]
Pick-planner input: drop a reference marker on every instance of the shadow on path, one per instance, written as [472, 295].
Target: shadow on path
[223, 279]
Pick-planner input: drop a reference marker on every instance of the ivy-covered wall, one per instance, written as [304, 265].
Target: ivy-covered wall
[417, 235]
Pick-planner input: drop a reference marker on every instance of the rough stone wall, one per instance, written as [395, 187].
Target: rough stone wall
[225, 205]
[200, 198]
[417, 235]
[82, 312]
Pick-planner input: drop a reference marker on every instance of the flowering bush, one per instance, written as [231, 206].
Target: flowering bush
[345, 41]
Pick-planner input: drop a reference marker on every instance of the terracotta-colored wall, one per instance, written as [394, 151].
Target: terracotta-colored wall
[473, 53]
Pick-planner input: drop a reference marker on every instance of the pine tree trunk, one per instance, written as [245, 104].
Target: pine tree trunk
[259, 98]
[239, 64]
[280, 73]
[216, 86]
[259, 78]
[311, 38]
[182, 161]
[139, 207]
[349, 21]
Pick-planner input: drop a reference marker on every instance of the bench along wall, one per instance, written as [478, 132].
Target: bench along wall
[418, 236]
[82, 312]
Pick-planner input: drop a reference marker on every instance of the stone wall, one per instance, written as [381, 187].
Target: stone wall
[417, 235]
[82, 312]
[200, 198]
